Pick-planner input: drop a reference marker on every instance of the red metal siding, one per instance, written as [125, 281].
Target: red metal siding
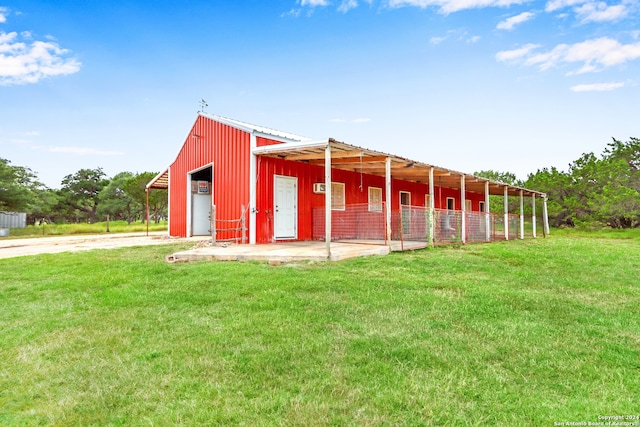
[229, 151]
[354, 193]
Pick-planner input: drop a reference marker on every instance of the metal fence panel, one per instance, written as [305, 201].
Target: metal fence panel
[13, 220]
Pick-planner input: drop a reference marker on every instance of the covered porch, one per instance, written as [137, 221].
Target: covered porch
[423, 225]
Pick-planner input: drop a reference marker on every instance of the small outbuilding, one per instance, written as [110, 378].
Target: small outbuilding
[251, 184]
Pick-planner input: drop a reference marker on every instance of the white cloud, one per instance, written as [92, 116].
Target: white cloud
[516, 54]
[597, 87]
[82, 151]
[22, 63]
[594, 54]
[437, 40]
[510, 23]
[473, 39]
[314, 3]
[3, 14]
[554, 5]
[450, 6]
[362, 120]
[600, 12]
[347, 5]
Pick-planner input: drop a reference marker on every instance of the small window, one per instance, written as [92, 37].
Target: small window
[405, 198]
[468, 205]
[375, 199]
[482, 207]
[337, 196]
[427, 201]
[451, 204]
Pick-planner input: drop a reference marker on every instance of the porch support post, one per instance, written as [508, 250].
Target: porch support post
[545, 216]
[387, 190]
[521, 214]
[533, 214]
[432, 200]
[146, 190]
[506, 212]
[253, 179]
[463, 221]
[327, 199]
[487, 210]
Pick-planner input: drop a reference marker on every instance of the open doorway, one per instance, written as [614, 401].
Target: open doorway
[201, 192]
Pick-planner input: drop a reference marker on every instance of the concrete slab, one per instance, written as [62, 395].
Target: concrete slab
[279, 252]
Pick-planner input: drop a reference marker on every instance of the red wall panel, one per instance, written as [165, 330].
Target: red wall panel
[228, 149]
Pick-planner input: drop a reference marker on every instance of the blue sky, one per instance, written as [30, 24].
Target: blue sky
[508, 85]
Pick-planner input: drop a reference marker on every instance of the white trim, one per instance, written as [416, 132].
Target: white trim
[374, 206]
[454, 203]
[400, 197]
[189, 197]
[387, 186]
[295, 207]
[289, 146]
[343, 206]
[253, 183]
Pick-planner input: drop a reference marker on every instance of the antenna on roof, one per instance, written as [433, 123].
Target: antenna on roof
[203, 105]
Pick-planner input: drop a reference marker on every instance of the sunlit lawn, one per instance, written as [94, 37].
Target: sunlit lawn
[515, 333]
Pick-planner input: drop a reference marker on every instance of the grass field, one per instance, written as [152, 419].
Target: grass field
[85, 228]
[530, 333]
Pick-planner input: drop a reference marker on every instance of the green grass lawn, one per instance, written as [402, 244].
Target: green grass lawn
[531, 332]
[85, 228]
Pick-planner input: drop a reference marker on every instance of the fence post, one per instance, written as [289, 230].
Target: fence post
[213, 224]
[243, 225]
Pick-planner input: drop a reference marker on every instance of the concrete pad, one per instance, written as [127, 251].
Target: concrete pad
[279, 252]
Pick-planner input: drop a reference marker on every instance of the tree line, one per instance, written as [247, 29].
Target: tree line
[85, 196]
[595, 190]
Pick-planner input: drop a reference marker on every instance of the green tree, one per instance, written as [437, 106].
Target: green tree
[18, 187]
[81, 190]
[135, 187]
[115, 201]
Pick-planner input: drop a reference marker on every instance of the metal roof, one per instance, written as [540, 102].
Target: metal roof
[254, 128]
[357, 159]
[160, 182]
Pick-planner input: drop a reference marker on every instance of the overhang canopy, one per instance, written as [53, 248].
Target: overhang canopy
[160, 182]
[357, 159]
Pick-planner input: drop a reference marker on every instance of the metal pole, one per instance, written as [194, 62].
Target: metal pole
[327, 198]
[146, 190]
[387, 179]
[487, 214]
[432, 199]
[545, 216]
[533, 214]
[463, 222]
[506, 212]
[521, 214]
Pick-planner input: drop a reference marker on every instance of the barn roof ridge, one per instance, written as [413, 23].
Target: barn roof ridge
[251, 127]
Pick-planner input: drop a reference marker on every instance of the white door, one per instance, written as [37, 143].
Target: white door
[201, 215]
[285, 210]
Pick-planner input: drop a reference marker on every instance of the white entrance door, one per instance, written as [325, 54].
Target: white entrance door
[201, 215]
[285, 210]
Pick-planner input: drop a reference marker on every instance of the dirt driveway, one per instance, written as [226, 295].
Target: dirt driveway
[10, 248]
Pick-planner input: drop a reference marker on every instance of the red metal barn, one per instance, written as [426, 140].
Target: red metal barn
[251, 184]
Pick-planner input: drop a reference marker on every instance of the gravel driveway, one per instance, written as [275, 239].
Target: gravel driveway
[10, 248]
